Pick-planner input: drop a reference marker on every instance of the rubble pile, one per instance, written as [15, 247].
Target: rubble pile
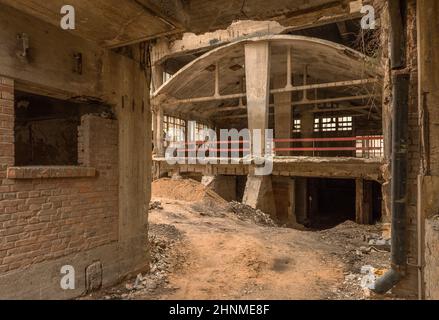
[365, 252]
[162, 240]
[245, 212]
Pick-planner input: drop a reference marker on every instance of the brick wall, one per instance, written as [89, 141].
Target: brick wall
[408, 286]
[44, 219]
[6, 124]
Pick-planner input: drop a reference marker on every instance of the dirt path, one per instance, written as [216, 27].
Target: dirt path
[231, 259]
[202, 250]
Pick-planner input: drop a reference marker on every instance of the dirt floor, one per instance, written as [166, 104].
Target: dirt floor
[205, 248]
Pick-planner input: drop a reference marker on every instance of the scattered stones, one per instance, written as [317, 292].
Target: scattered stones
[162, 241]
[155, 205]
[381, 244]
[245, 212]
[354, 247]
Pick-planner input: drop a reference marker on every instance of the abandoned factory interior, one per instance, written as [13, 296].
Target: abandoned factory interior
[225, 150]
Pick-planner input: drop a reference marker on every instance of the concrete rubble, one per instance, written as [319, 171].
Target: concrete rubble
[245, 212]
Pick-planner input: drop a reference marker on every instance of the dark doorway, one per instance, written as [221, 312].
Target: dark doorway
[331, 202]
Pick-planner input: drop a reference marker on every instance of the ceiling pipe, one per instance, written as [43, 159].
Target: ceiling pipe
[400, 84]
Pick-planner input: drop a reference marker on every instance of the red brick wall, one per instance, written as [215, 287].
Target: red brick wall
[6, 123]
[408, 286]
[44, 219]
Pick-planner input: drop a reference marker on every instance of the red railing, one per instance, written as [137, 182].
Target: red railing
[360, 147]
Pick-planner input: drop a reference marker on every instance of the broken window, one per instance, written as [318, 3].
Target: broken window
[344, 124]
[329, 124]
[46, 130]
[333, 124]
[175, 129]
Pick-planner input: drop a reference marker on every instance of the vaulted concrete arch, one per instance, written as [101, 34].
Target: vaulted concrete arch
[327, 66]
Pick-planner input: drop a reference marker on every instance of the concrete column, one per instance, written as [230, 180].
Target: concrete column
[363, 201]
[292, 218]
[157, 81]
[159, 148]
[282, 117]
[301, 200]
[258, 194]
[257, 70]
[313, 198]
[134, 164]
[154, 129]
[157, 76]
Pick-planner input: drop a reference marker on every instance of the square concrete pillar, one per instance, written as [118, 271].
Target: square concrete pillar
[258, 194]
[159, 148]
[257, 70]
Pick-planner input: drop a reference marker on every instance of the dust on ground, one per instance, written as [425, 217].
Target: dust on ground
[205, 248]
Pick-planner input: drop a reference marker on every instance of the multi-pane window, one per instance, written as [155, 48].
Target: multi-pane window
[345, 124]
[316, 124]
[329, 124]
[333, 124]
[297, 125]
[175, 129]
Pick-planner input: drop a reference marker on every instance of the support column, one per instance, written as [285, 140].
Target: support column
[257, 70]
[159, 137]
[292, 218]
[363, 202]
[134, 117]
[282, 117]
[258, 190]
[301, 200]
[258, 194]
[428, 181]
[157, 81]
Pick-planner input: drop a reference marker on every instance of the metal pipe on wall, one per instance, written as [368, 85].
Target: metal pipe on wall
[400, 83]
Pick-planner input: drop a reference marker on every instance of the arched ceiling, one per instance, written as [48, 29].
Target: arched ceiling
[325, 62]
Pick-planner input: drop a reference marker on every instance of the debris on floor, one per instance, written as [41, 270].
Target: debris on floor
[155, 205]
[165, 258]
[205, 231]
[245, 212]
[359, 247]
